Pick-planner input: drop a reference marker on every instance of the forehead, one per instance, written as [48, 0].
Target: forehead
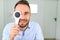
[22, 7]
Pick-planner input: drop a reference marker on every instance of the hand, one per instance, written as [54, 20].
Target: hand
[14, 31]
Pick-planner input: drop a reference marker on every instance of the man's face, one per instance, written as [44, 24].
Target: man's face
[25, 15]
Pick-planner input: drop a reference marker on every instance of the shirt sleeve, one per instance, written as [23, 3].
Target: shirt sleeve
[39, 34]
[5, 35]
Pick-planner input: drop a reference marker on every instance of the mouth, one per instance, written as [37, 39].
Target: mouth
[22, 23]
[22, 20]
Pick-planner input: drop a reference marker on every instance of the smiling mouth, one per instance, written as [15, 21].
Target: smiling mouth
[22, 20]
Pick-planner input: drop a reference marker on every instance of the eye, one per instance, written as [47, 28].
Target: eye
[26, 13]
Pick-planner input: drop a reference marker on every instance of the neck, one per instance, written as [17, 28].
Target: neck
[23, 29]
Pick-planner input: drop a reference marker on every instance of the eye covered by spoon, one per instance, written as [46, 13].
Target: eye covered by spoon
[16, 16]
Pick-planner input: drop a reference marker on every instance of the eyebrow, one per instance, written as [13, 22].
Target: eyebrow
[26, 12]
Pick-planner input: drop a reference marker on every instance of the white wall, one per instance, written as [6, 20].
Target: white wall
[58, 22]
[1, 18]
[49, 24]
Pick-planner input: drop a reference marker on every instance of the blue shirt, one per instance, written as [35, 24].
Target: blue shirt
[33, 32]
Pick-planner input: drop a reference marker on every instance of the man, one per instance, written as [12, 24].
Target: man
[32, 30]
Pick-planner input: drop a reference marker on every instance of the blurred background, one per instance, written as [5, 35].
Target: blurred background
[48, 16]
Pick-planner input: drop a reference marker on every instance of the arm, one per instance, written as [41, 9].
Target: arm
[10, 31]
[5, 34]
[39, 34]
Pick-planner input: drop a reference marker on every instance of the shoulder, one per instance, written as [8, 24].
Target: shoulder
[6, 29]
[8, 26]
[34, 24]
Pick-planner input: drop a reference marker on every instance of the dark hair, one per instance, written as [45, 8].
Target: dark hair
[22, 2]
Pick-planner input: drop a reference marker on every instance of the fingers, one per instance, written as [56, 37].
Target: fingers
[14, 30]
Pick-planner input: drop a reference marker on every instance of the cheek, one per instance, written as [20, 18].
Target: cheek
[28, 17]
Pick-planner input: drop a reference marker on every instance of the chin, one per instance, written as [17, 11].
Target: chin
[22, 25]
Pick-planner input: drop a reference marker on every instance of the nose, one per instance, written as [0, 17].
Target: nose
[22, 16]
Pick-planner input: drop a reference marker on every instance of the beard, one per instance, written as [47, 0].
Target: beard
[23, 24]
